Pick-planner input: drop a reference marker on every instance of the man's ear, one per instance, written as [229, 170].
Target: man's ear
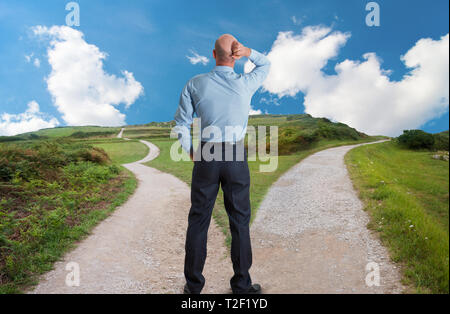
[214, 53]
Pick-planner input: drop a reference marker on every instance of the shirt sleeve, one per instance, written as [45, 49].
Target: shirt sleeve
[183, 119]
[257, 76]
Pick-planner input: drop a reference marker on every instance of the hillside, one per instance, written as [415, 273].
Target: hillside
[441, 141]
[60, 132]
[56, 184]
[296, 132]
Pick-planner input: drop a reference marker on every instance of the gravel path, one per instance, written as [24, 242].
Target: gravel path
[140, 247]
[120, 133]
[310, 234]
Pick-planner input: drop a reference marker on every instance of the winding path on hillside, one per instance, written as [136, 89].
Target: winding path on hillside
[310, 234]
[120, 135]
[139, 248]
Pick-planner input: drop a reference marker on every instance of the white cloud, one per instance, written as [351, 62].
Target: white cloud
[30, 120]
[270, 100]
[28, 57]
[254, 112]
[361, 93]
[36, 61]
[296, 20]
[82, 91]
[297, 60]
[195, 58]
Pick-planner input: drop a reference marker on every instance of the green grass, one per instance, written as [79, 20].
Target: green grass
[147, 132]
[51, 196]
[260, 181]
[124, 152]
[68, 131]
[406, 195]
[79, 132]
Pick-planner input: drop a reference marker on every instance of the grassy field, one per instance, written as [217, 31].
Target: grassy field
[260, 181]
[406, 195]
[68, 131]
[53, 192]
[72, 133]
[123, 152]
[59, 183]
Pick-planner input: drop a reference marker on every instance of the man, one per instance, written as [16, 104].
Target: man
[221, 99]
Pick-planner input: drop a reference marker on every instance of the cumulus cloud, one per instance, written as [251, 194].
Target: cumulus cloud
[254, 112]
[296, 20]
[297, 60]
[270, 100]
[195, 58]
[30, 120]
[37, 62]
[81, 89]
[361, 93]
[28, 57]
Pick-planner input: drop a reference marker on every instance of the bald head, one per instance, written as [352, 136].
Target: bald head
[223, 49]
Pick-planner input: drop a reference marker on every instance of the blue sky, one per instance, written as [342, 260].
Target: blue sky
[151, 40]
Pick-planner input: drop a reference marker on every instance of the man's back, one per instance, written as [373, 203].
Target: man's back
[221, 98]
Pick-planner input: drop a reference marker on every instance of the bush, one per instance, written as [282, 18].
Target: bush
[329, 130]
[4, 139]
[416, 139]
[43, 159]
[81, 134]
[52, 193]
[441, 141]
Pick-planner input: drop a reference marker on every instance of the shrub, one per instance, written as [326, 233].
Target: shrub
[441, 141]
[416, 139]
[43, 159]
[11, 138]
[54, 192]
[81, 134]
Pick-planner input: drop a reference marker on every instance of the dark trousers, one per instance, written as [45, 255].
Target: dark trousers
[234, 178]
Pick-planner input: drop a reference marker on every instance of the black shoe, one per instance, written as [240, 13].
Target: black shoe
[254, 289]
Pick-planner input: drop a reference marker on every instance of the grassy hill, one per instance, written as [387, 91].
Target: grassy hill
[56, 184]
[302, 131]
[296, 132]
[60, 132]
[441, 141]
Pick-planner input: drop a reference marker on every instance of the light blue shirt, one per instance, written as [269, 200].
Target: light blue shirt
[220, 98]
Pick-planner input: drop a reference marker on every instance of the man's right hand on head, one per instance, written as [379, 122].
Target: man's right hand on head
[239, 50]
